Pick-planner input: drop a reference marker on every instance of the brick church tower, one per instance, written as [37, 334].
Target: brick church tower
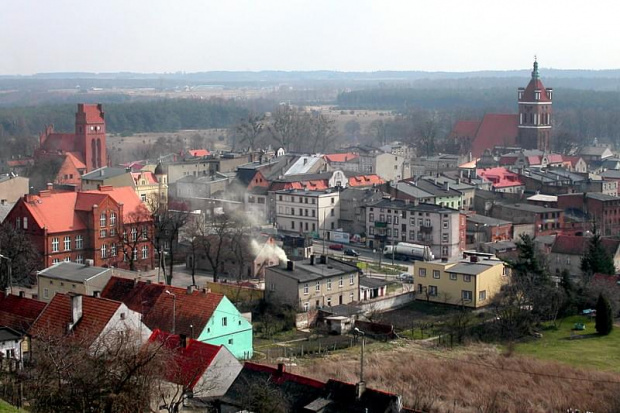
[90, 135]
[535, 114]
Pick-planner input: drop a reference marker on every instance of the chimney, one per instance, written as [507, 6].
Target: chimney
[22, 294]
[3, 202]
[89, 263]
[281, 369]
[473, 258]
[360, 388]
[324, 259]
[50, 186]
[290, 265]
[76, 310]
[190, 289]
[148, 281]
[182, 340]
[312, 259]
[97, 294]
[446, 186]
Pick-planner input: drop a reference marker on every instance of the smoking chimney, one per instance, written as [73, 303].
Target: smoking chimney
[290, 265]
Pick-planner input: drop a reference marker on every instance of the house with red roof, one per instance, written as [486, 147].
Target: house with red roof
[529, 129]
[81, 151]
[17, 314]
[198, 153]
[87, 320]
[194, 367]
[109, 226]
[502, 180]
[205, 316]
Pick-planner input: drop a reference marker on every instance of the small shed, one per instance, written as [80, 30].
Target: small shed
[339, 324]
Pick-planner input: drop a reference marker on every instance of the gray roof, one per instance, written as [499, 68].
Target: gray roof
[71, 271]
[612, 173]
[5, 208]
[471, 268]
[304, 272]
[372, 282]
[436, 189]
[602, 197]
[530, 208]
[489, 221]
[411, 189]
[593, 150]
[400, 204]
[104, 173]
[8, 334]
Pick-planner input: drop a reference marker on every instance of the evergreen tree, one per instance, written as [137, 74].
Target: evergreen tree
[604, 317]
[596, 259]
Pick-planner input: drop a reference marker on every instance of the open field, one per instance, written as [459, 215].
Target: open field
[578, 348]
[7, 408]
[471, 379]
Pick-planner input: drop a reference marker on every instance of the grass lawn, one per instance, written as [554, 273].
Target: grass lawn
[588, 350]
[7, 408]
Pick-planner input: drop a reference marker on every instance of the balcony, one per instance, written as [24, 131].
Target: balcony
[426, 229]
[379, 224]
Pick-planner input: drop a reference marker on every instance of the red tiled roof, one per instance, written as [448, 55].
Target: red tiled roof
[64, 142]
[54, 320]
[152, 301]
[93, 114]
[495, 130]
[574, 245]
[499, 177]
[198, 152]
[528, 94]
[365, 180]
[465, 129]
[20, 162]
[76, 158]
[572, 159]
[189, 362]
[341, 157]
[147, 175]
[18, 312]
[555, 158]
[127, 196]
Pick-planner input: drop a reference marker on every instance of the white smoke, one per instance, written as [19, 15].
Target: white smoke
[268, 250]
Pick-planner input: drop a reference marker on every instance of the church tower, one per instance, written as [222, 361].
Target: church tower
[90, 135]
[535, 114]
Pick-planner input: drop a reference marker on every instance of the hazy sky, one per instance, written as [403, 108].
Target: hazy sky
[348, 35]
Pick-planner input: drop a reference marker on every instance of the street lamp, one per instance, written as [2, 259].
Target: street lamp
[174, 311]
[361, 333]
[9, 269]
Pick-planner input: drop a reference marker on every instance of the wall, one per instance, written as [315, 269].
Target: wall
[235, 335]
[387, 303]
[55, 285]
[306, 319]
[14, 188]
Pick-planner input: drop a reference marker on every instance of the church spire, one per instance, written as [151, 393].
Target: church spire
[535, 75]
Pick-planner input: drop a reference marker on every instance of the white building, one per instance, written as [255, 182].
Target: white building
[308, 212]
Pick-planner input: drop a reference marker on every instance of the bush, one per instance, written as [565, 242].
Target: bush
[604, 317]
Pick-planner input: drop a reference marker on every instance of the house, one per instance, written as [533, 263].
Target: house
[441, 228]
[13, 187]
[11, 344]
[106, 175]
[110, 226]
[208, 317]
[17, 314]
[567, 252]
[502, 180]
[304, 394]
[343, 161]
[472, 282]
[595, 153]
[70, 277]
[353, 202]
[481, 229]
[249, 259]
[434, 165]
[307, 212]
[151, 187]
[194, 367]
[546, 221]
[307, 164]
[87, 320]
[311, 284]
[589, 206]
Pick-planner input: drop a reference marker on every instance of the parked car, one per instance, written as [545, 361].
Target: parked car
[351, 252]
[337, 247]
[405, 277]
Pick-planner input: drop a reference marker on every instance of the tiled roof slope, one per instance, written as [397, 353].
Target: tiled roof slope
[18, 312]
[156, 305]
[573, 245]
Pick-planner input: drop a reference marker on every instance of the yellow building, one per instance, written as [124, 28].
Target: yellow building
[471, 283]
[151, 187]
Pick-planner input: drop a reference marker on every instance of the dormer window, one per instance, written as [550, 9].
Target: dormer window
[537, 95]
[520, 94]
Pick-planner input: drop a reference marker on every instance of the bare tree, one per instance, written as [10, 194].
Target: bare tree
[168, 224]
[132, 232]
[250, 129]
[378, 129]
[23, 257]
[322, 131]
[288, 126]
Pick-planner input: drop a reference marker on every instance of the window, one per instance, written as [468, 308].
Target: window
[313, 226]
[329, 284]
[306, 307]
[103, 233]
[67, 259]
[411, 235]
[292, 224]
[432, 290]
[467, 278]
[113, 252]
[318, 286]
[333, 225]
[329, 301]
[306, 289]
[55, 244]
[352, 279]
[395, 233]
[446, 224]
[381, 218]
[444, 251]
[55, 261]
[466, 295]
[436, 274]
[144, 232]
[134, 233]
[46, 293]
[112, 218]
[351, 297]
[230, 341]
[112, 232]
[422, 272]
[224, 321]
[444, 237]
[389, 219]
[80, 259]
[371, 217]
[313, 213]
[292, 211]
[396, 220]
[18, 223]
[104, 251]
[371, 230]
[25, 220]
[341, 281]
[145, 252]
[482, 295]
[79, 242]
[333, 201]
[332, 212]
[102, 220]
[67, 243]
[301, 212]
[143, 197]
[135, 254]
[452, 276]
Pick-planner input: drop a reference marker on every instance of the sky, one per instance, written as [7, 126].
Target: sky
[158, 36]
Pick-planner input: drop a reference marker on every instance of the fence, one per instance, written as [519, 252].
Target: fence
[308, 348]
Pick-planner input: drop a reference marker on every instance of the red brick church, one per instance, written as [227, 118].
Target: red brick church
[529, 129]
[81, 151]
